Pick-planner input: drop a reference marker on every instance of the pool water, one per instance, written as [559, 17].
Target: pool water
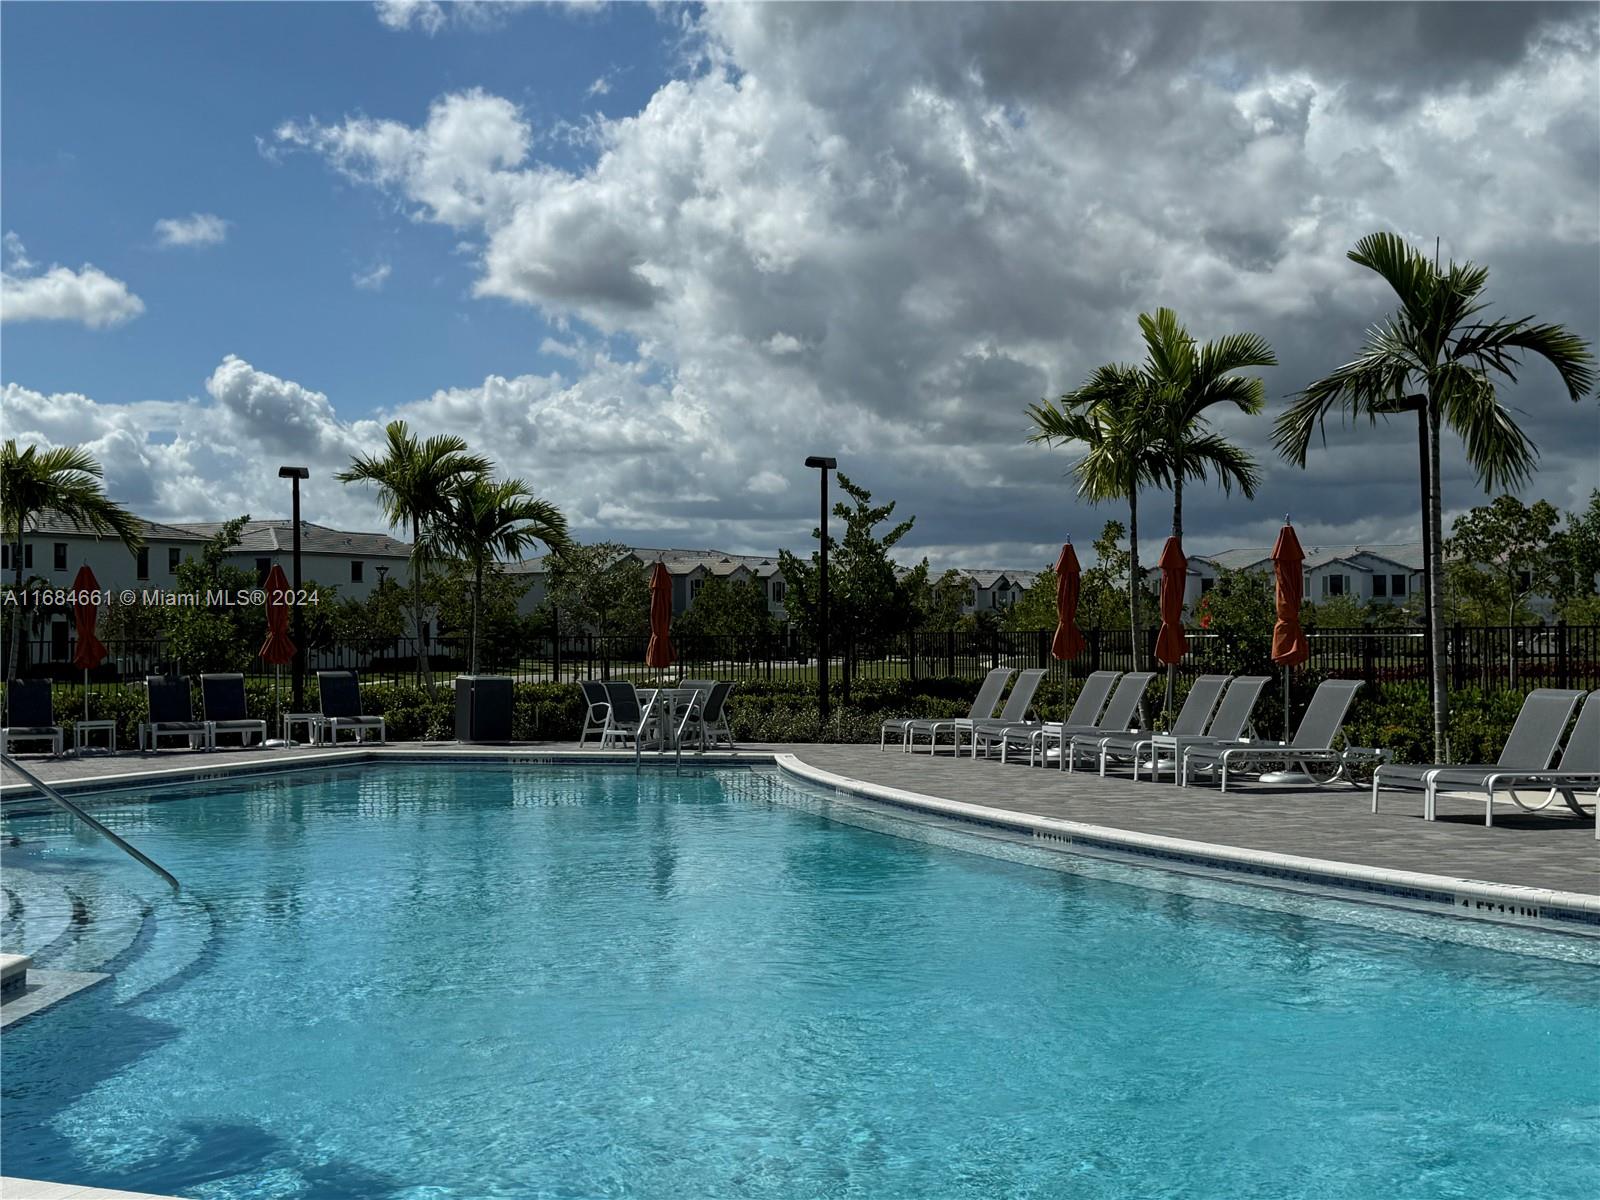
[468, 982]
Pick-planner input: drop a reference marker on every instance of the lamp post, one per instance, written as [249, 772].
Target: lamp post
[295, 475]
[824, 465]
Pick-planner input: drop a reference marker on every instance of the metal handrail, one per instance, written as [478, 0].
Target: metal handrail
[50, 793]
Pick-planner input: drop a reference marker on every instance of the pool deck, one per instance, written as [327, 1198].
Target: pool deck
[1552, 850]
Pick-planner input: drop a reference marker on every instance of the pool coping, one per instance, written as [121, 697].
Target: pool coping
[1541, 908]
[1531, 907]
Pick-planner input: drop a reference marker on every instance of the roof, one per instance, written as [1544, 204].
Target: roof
[274, 537]
[1401, 554]
[51, 522]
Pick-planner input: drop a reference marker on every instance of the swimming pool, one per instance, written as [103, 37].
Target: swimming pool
[485, 982]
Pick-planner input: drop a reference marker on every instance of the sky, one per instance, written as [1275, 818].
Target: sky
[649, 257]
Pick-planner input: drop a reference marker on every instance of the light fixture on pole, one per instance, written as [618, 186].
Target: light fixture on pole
[824, 465]
[296, 474]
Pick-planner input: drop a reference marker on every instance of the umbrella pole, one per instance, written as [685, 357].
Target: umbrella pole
[1286, 704]
[86, 693]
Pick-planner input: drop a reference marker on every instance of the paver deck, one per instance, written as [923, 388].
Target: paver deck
[1553, 849]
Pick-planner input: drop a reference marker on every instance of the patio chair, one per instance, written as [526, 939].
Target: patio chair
[626, 720]
[172, 715]
[1191, 721]
[1118, 717]
[983, 706]
[339, 694]
[31, 716]
[1015, 713]
[1312, 744]
[1529, 748]
[708, 714]
[223, 702]
[1086, 709]
[597, 710]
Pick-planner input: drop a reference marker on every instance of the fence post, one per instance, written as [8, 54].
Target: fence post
[1369, 650]
[994, 648]
[1458, 638]
[1563, 662]
[1094, 649]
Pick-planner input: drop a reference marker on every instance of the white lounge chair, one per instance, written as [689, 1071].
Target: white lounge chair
[983, 706]
[1191, 721]
[1311, 746]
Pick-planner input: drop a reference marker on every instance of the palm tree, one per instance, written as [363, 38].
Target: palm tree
[65, 480]
[414, 483]
[1184, 382]
[1110, 415]
[485, 521]
[1436, 347]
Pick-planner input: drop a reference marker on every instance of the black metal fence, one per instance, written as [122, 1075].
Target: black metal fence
[1490, 657]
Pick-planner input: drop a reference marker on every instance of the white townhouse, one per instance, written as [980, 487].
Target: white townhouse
[995, 591]
[355, 563]
[1378, 574]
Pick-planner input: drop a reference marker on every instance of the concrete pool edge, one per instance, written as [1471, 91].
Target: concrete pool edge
[1529, 907]
[1533, 908]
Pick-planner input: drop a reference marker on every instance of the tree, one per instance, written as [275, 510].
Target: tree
[415, 480]
[1238, 611]
[937, 604]
[1100, 598]
[484, 522]
[1113, 417]
[1435, 348]
[867, 601]
[383, 614]
[735, 609]
[65, 480]
[501, 626]
[1186, 381]
[1036, 607]
[599, 588]
[1575, 554]
[1510, 543]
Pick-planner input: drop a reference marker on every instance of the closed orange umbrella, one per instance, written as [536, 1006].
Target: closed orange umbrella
[659, 654]
[91, 650]
[277, 649]
[1171, 645]
[1289, 645]
[1068, 642]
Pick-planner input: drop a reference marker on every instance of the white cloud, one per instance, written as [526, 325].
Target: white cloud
[374, 279]
[427, 15]
[197, 229]
[431, 16]
[87, 295]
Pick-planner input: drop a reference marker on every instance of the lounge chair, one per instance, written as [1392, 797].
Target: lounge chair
[1015, 713]
[30, 715]
[1312, 744]
[172, 715]
[1227, 727]
[340, 696]
[599, 707]
[1085, 713]
[708, 715]
[983, 706]
[1118, 716]
[223, 701]
[1191, 721]
[1528, 750]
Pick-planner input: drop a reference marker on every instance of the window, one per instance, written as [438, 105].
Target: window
[1380, 587]
[174, 557]
[5, 557]
[27, 556]
[1335, 585]
[61, 556]
[777, 590]
[263, 565]
[1205, 585]
[1397, 585]
[694, 587]
[143, 569]
[355, 570]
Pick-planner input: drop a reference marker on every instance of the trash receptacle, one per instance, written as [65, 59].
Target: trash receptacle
[483, 708]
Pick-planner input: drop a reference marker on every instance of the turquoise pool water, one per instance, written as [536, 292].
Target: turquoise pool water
[429, 982]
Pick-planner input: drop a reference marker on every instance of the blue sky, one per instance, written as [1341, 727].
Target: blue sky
[121, 115]
[868, 230]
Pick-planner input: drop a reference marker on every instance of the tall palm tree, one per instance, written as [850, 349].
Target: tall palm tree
[1185, 381]
[1110, 415]
[484, 522]
[64, 480]
[414, 481]
[1436, 345]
